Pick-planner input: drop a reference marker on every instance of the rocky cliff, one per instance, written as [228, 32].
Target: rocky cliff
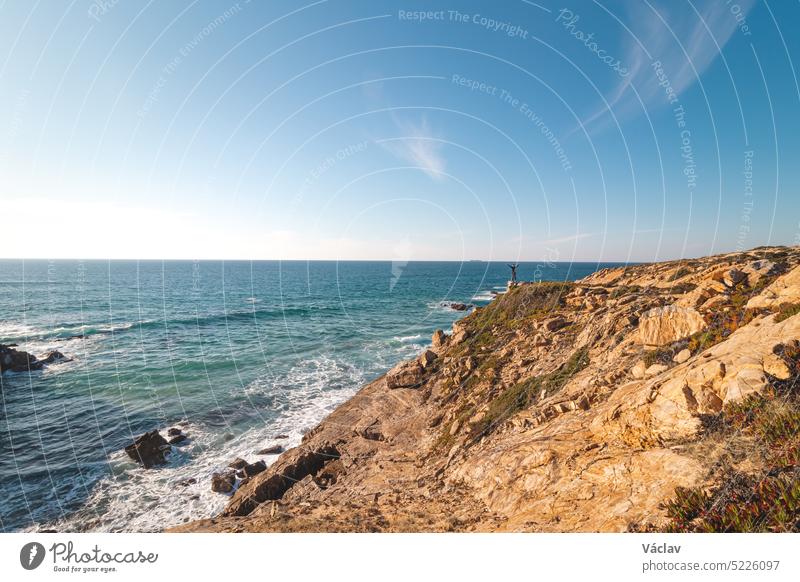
[653, 397]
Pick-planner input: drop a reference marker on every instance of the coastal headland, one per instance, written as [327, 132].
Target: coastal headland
[657, 397]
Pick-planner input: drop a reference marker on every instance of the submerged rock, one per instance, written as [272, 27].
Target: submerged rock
[273, 450]
[53, 357]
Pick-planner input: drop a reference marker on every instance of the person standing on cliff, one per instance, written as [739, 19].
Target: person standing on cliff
[513, 268]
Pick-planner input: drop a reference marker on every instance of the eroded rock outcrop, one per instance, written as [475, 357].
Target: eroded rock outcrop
[664, 325]
[557, 407]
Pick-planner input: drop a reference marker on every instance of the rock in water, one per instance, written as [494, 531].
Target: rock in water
[149, 449]
[237, 463]
[222, 482]
[174, 431]
[178, 439]
[54, 356]
[273, 450]
[663, 325]
[12, 360]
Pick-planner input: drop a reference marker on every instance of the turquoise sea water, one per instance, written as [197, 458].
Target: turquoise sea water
[241, 351]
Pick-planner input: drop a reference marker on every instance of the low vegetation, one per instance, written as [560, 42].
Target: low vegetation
[524, 302]
[767, 428]
[523, 394]
[786, 311]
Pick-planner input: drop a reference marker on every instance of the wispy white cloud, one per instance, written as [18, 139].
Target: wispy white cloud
[419, 146]
[685, 43]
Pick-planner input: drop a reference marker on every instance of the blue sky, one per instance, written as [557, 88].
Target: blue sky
[580, 130]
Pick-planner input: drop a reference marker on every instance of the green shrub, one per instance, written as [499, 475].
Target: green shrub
[787, 310]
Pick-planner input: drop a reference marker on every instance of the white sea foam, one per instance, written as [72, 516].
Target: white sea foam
[408, 338]
[483, 296]
[137, 499]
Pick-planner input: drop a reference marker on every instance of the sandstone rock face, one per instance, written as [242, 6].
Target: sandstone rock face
[654, 370]
[663, 325]
[785, 289]
[537, 430]
[427, 358]
[439, 338]
[405, 375]
[682, 356]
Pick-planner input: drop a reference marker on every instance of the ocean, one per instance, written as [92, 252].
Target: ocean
[239, 352]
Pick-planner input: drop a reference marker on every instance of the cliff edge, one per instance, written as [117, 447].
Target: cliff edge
[659, 397]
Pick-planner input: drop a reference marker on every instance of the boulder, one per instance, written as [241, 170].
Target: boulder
[12, 360]
[439, 339]
[663, 325]
[273, 450]
[460, 333]
[555, 324]
[223, 482]
[784, 289]
[53, 357]
[682, 356]
[757, 269]
[253, 469]
[237, 463]
[149, 449]
[427, 358]
[405, 375]
[174, 432]
[776, 367]
[178, 439]
[638, 370]
[733, 277]
[655, 370]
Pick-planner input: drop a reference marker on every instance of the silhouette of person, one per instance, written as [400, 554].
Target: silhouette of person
[514, 272]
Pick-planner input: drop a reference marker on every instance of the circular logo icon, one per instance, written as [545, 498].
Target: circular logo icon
[31, 555]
